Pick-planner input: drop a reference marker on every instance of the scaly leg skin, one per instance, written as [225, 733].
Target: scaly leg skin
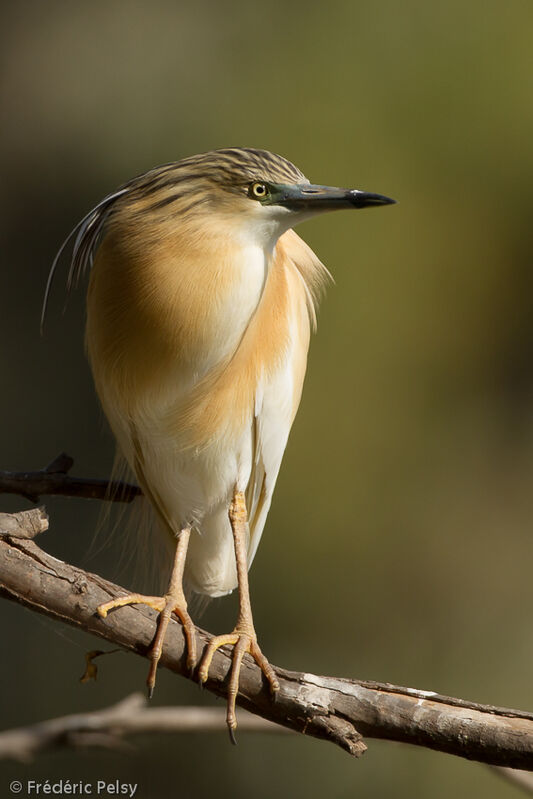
[173, 602]
[243, 636]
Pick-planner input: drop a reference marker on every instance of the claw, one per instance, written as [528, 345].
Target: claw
[243, 642]
[171, 603]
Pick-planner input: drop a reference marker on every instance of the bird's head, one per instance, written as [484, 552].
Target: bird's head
[243, 193]
[253, 192]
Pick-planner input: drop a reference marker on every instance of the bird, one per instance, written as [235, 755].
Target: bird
[200, 306]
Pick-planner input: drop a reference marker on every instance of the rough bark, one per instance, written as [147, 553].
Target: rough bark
[336, 709]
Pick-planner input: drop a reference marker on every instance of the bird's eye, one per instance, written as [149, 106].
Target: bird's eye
[259, 191]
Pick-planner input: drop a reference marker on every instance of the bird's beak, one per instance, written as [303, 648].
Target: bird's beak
[313, 198]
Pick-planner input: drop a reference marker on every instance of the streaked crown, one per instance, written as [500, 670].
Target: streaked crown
[201, 177]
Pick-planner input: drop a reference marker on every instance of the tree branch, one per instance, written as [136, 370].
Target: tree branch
[107, 728]
[54, 479]
[335, 709]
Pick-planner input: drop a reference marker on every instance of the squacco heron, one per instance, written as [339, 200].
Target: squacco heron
[199, 310]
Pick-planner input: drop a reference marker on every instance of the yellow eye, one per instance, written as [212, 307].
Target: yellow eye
[259, 191]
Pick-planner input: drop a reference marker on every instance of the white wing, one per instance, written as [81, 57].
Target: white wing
[270, 431]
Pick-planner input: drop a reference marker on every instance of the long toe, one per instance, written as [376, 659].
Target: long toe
[166, 605]
[243, 643]
[189, 630]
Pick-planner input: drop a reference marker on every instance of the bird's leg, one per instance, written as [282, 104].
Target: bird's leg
[243, 636]
[173, 602]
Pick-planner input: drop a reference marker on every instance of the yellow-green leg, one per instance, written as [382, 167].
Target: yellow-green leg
[173, 602]
[243, 637]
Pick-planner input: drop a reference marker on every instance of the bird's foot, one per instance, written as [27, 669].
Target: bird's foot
[243, 641]
[165, 605]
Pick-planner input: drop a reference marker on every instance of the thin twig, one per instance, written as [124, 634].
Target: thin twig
[108, 727]
[54, 479]
[520, 779]
[336, 709]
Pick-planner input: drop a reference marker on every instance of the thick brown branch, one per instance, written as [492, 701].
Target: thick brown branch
[54, 479]
[339, 710]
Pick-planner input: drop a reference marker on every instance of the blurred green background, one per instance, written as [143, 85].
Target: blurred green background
[399, 543]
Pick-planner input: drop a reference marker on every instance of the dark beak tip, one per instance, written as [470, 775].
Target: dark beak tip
[365, 199]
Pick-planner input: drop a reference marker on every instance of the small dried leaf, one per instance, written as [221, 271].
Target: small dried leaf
[91, 669]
